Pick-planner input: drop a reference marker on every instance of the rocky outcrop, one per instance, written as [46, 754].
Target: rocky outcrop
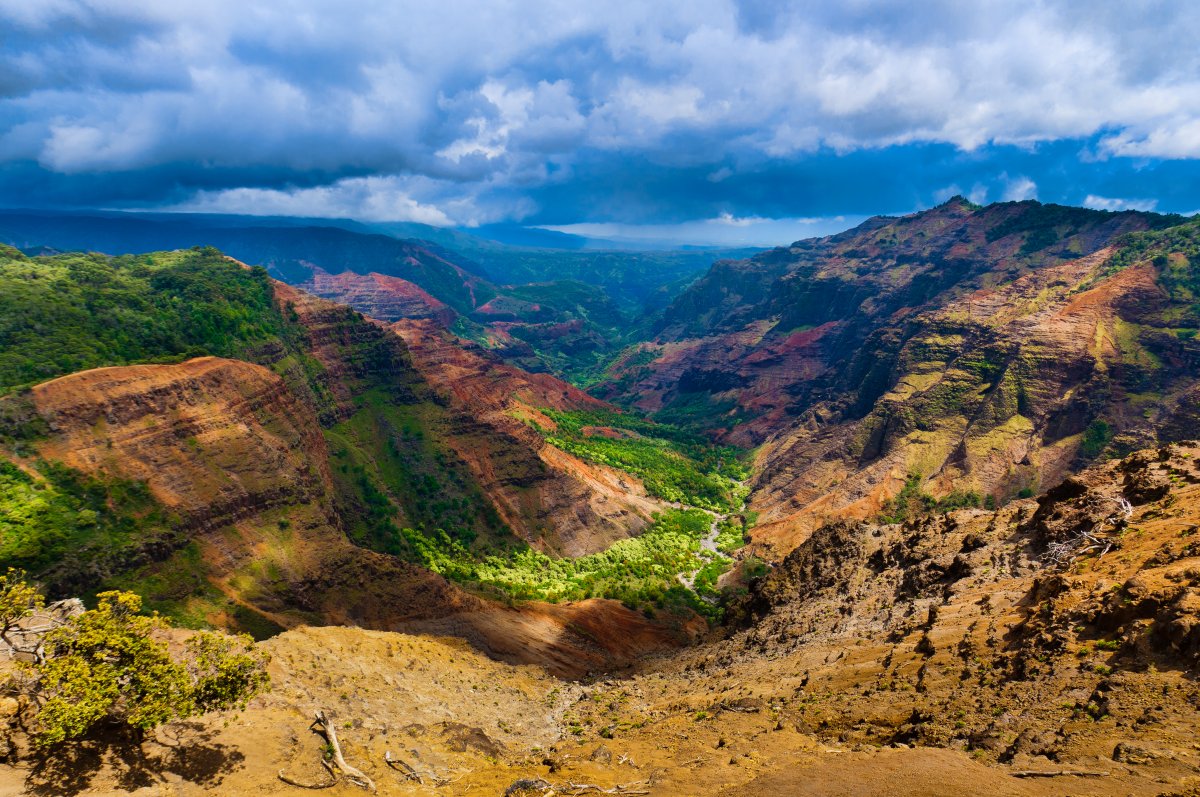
[989, 350]
[971, 630]
[378, 295]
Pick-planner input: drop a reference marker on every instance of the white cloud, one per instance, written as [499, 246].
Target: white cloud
[1003, 73]
[730, 220]
[724, 230]
[1018, 189]
[479, 95]
[364, 198]
[1179, 138]
[1109, 203]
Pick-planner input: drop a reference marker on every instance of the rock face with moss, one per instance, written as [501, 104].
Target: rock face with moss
[988, 351]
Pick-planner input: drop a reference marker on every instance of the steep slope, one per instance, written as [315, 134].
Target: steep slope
[573, 507]
[984, 350]
[377, 295]
[247, 492]
[224, 447]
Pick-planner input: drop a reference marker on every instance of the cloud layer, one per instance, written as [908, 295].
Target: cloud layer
[451, 112]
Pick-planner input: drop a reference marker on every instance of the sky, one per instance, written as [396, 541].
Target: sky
[700, 121]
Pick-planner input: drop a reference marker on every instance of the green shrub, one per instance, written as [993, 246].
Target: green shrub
[912, 502]
[1095, 439]
[110, 666]
[640, 571]
[55, 516]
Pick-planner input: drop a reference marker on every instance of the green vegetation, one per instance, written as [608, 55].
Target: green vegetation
[72, 312]
[1181, 237]
[698, 410]
[912, 502]
[1046, 225]
[731, 535]
[58, 517]
[387, 457]
[706, 580]
[674, 465]
[18, 600]
[1095, 438]
[406, 494]
[640, 571]
[110, 667]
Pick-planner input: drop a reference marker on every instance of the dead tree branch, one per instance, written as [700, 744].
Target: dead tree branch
[313, 786]
[622, 788]
[400, 766]
[1058, 773]
[352, 774]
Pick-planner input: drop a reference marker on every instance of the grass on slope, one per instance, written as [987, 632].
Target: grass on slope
[460, 537]
[388, 456]
[58, 518]
[913, 502]
[673, 464]
[72, 312]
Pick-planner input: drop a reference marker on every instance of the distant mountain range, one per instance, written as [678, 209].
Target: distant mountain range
[566, 310]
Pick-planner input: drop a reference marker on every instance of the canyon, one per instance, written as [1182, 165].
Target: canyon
[950, 457]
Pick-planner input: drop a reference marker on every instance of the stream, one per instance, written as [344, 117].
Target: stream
[707, 543]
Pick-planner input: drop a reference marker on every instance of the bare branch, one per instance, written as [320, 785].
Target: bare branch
[352, 774]
[314, 786]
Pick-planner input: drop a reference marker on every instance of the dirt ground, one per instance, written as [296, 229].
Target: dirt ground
[471, 726]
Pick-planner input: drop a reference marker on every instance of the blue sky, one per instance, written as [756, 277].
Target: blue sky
[708, 121]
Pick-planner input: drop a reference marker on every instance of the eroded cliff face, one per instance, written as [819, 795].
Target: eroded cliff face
[261, 447]
[997, 392]
[378, 295]
[473, 413]
[987, 351]
[554, 500]
[244, 467]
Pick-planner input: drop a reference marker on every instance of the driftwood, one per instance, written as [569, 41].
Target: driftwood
[1058, 773]
[412, 774]
[352, 774]
[623, 788]
[400, 766]
[333, 779]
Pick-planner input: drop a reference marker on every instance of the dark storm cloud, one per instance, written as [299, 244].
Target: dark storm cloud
[559, 113]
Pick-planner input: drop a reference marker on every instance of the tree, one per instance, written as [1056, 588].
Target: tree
[18, 600]
[112, 665]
